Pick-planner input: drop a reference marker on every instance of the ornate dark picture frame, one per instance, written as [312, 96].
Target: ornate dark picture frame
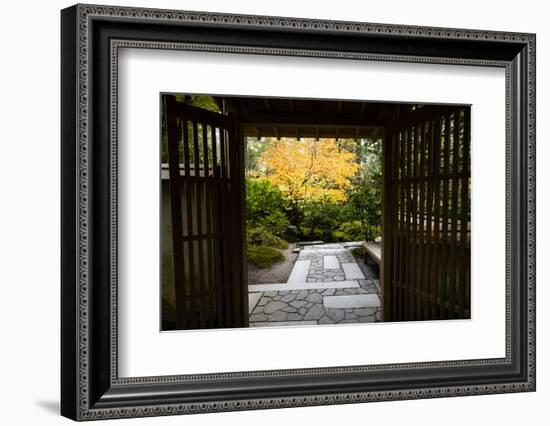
[90, 385]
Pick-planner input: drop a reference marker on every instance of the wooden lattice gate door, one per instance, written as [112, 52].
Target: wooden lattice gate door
[426, 217]
[206, 203]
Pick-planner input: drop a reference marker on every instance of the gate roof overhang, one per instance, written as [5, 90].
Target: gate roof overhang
[307, 118]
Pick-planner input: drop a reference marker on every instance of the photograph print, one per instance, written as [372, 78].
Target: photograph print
[312, 212]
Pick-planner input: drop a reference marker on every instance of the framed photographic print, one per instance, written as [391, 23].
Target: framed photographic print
[263, 212]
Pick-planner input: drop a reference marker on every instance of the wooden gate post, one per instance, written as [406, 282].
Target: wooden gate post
[388, 207]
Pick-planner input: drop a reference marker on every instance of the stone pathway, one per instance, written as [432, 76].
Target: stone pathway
[326, 286]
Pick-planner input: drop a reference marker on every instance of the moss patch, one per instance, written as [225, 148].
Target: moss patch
[263, 256]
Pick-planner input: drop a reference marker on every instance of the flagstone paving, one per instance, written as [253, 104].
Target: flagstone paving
[319, 291]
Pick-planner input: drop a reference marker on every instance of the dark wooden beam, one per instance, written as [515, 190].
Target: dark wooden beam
[424, 114]
[316, 132]
[219, 102]
[388, 224]
[303, 119]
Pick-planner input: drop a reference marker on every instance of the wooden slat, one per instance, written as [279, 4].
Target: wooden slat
[240, 287]
[408, 230]
[226, 251]
[216, 225]
[206, 236]
[445, 216]
[189, 194]
[241, 221]
[414, 236]
[200, 281]
[387, 219]
[429, 249]
[465, 208]
[402, 211]
[435, 267]
[175, 200]
[394, 215]
[422, 224]
[454, 216]
[237, 296]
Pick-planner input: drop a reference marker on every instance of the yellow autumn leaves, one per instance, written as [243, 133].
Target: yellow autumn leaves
[309, 169]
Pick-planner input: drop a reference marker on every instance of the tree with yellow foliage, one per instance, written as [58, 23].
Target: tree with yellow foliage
[308, 170]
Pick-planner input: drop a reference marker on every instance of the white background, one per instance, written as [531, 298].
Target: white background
[29, 225]
[143, 351]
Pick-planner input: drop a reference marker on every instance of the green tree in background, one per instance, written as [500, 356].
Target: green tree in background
[265, 205]
[254, 150]
[365, 195]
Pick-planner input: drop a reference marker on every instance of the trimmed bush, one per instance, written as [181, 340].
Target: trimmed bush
[262, 199]
[260, 236]
[353, 230]
[306, 235]
[263, 256]
[340, 236]
[276, 222]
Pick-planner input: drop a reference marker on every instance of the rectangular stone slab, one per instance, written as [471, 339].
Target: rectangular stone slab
[352, 271]
[253, 299]
[330, 262]
[352, 301]
[302, 286]
[299, 271]
[323, 252]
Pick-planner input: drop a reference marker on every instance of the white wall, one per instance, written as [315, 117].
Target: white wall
[29, 211]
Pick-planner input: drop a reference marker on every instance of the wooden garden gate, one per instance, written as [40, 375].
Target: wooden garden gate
[426, 217]
[206, 191]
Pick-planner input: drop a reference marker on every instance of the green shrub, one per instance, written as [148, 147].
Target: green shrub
[265, 208]
[340, 236]
[326, 236]
[263, 256]
[353, 230]
[260, 236]
[306, 234]
[321, 215]
[276, 222]
[262, 199]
